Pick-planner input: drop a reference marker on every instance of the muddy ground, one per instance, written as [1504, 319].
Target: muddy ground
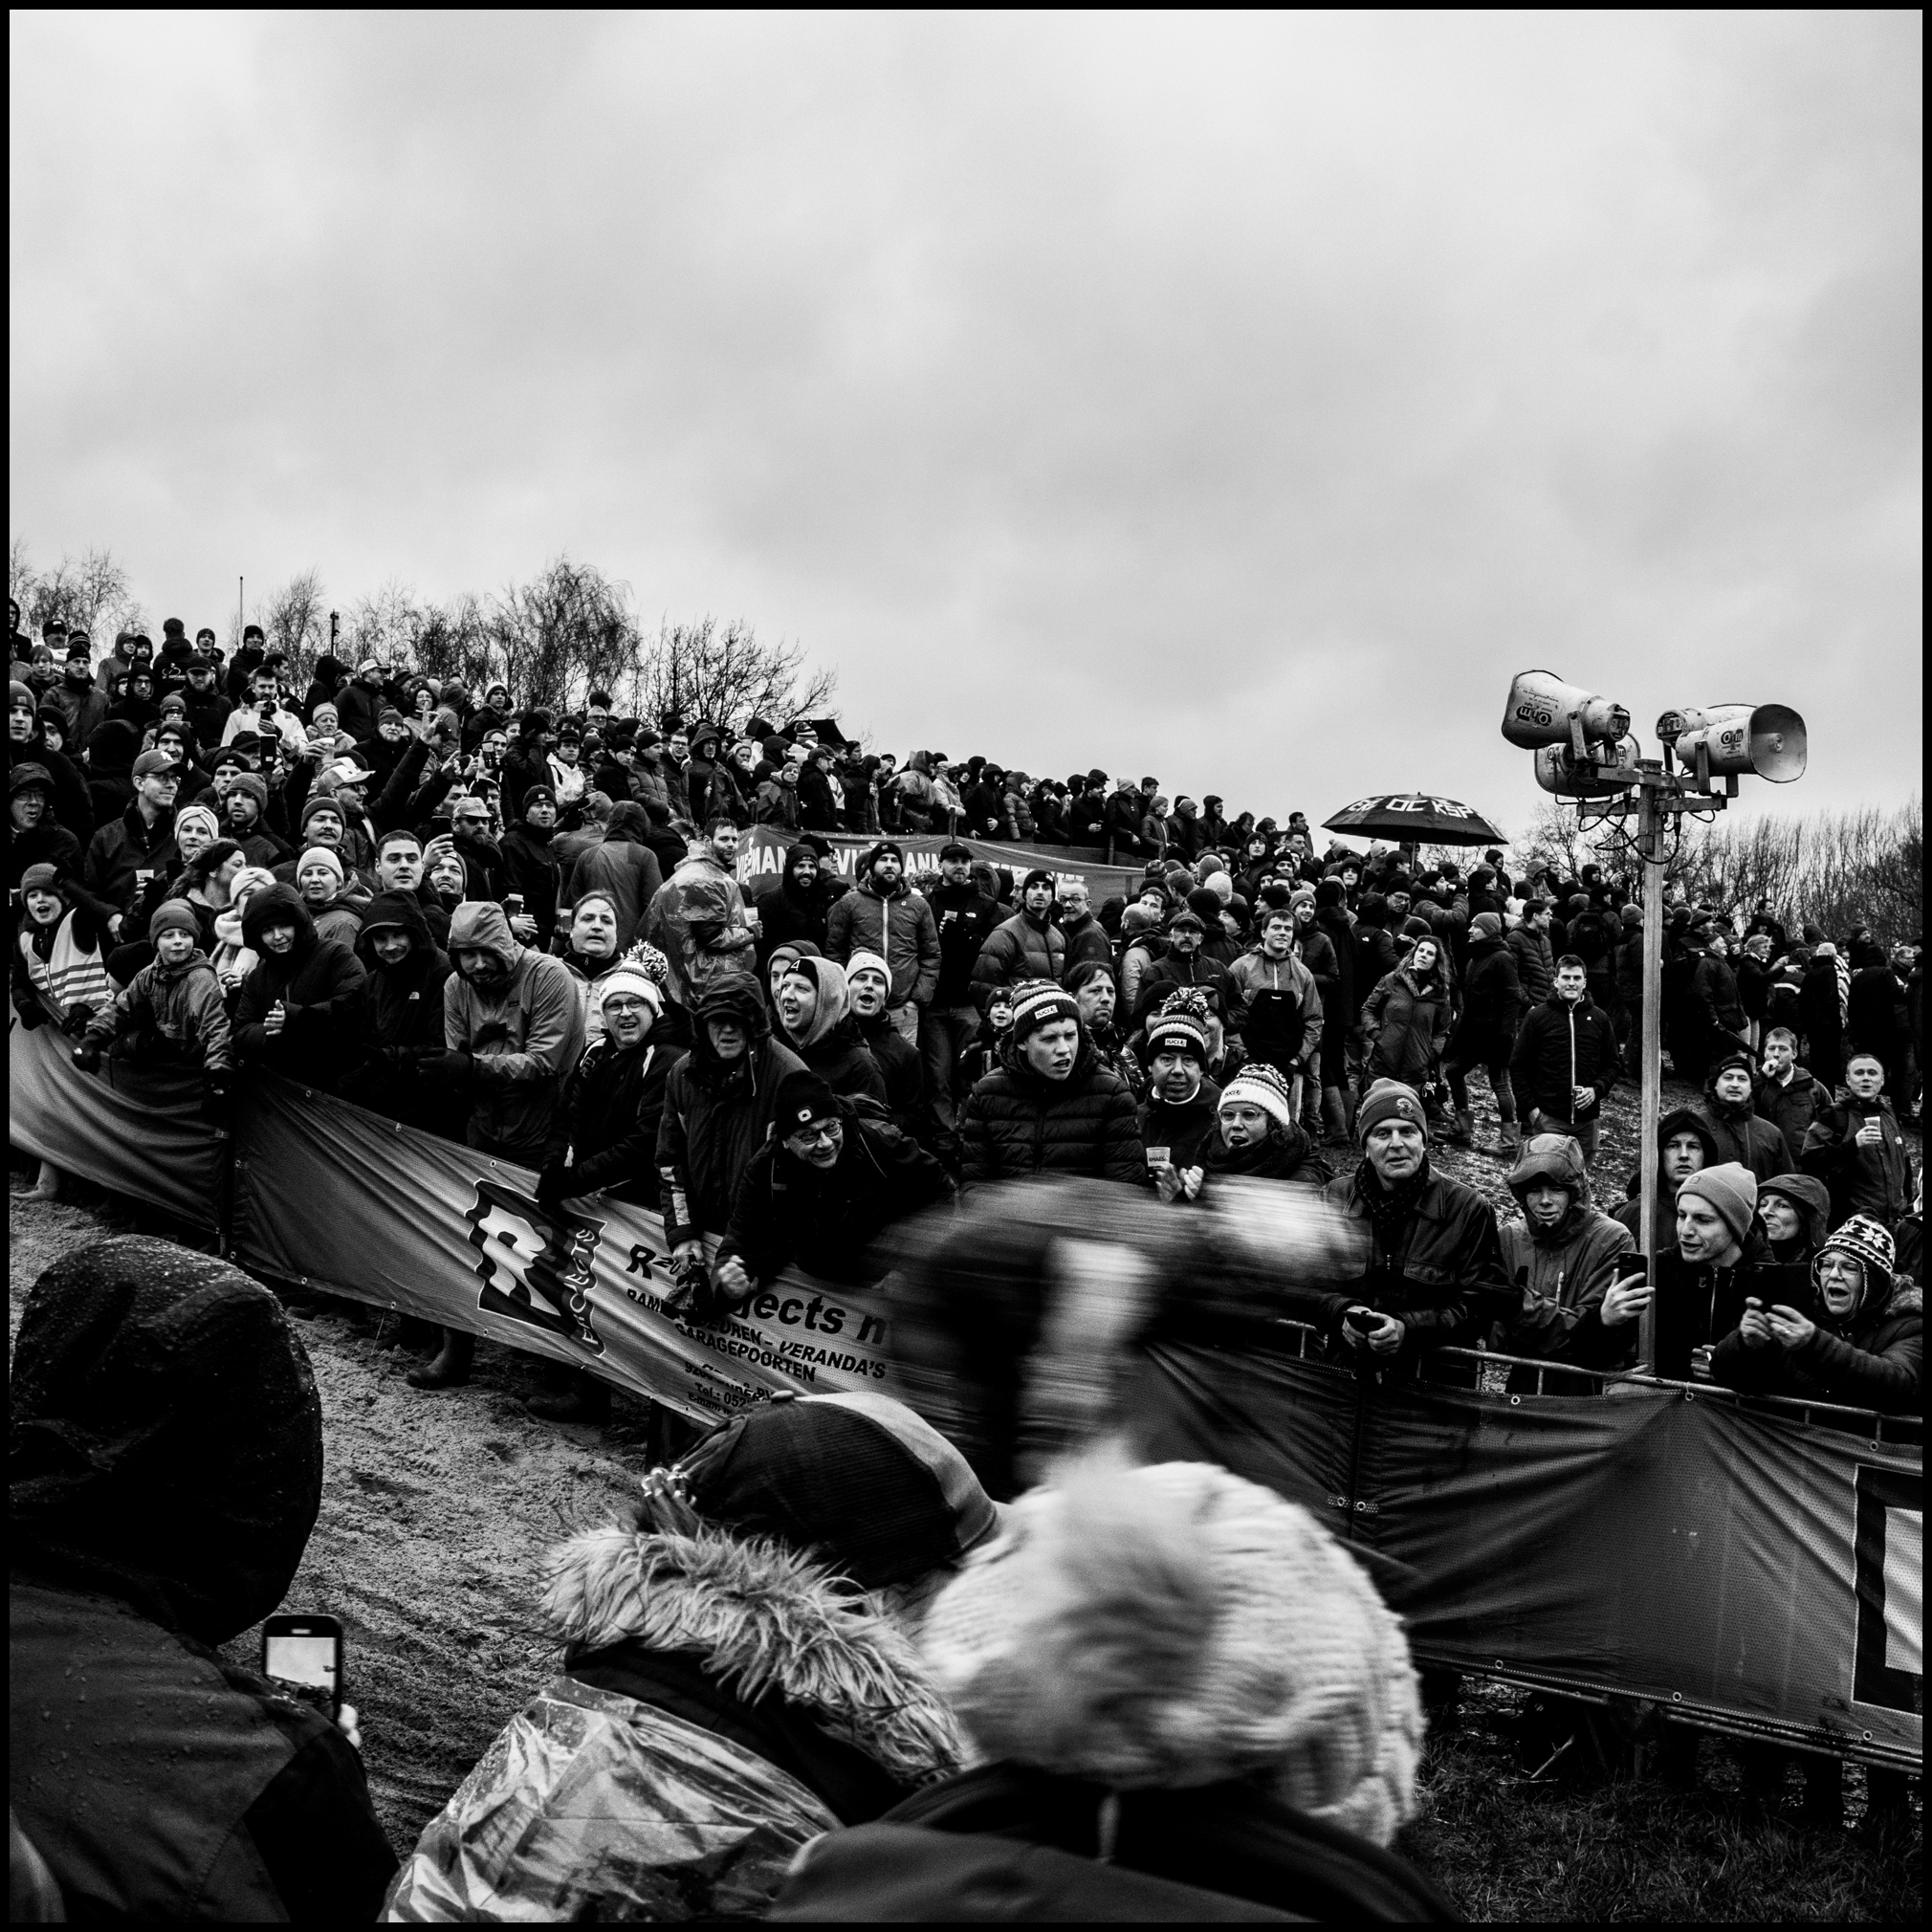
[436, 1507]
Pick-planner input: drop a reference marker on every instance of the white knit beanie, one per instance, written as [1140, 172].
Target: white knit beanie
[862, 961]
[1177, 1626]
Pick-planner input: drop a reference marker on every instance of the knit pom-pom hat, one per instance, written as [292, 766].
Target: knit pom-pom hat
[1259, 1085]
[1177, 1626]
[1038, 1003]
[1181, 1025]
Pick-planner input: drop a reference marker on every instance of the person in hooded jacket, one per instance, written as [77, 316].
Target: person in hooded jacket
[720, 1103]
[400, 1021]
[886, 917]
[1684, 1145]
[1407, 1021]
[1796, 1213]
[530, 867]
[696, 918]
[1049, 1107]
[1738, 1131]
[1858, 1341]
[166, 1471]
[814, 1013]
[74, 804]
[714, 787]
[1267, 1780]
[1028, 946]
[1485, 1035]
[821, 1190]
[736, 1653]
[1561, 1256]
[1855, 1149]
[299, 1009]
[798, 905]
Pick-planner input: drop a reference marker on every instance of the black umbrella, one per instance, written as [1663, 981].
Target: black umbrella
[1414, 818]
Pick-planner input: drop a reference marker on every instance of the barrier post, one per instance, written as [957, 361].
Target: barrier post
[1650, 851]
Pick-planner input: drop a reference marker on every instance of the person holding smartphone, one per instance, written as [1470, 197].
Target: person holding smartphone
[166, 1471]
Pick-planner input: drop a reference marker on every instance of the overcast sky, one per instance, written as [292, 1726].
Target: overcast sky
[1240, 399]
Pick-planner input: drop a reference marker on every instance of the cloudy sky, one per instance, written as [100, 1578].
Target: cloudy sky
[1238, 399]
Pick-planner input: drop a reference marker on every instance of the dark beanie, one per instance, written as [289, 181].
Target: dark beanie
[801, 1097]
[1205, 902]
[1329, 892]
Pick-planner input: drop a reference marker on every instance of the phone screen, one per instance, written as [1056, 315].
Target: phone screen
[306, 1664]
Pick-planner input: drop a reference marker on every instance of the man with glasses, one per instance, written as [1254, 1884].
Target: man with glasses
[131, 858]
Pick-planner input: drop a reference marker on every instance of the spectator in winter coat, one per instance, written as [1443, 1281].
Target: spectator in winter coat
[742, 1631]
[1256, 1138]
[1049, 1107]
[1141, 946]
[1092, 986]
[166, 1469]
[1854, 1148]
[1566, 1060]
[885, 916]
[797, 905]
[171, 1013]
[626, 867]
[814, 1009]
[1084, 935]
[964, 916]
[35, 837]
[58, 965]
[1684, 1147]
[1276, 995]
[318, 877]
[1822, 1002]
[1530, 947]
[1184, 967]
[530, 868]
[1860, 1342]
[1485, 1035]
[1753, 970]
[399, 1021]
[821, 1190]
[77, 698]
[300, 1009]
[1562, 1256]
[246, 806]
[1875, 1020]
[697, 919]
[1178, 1119]
[1028, 946]
[1716, 1024]
[484, 874]
[1407, 1021]
[131, 858]
[1796, 1213]
[714, 787]
[1738, 1132]
[719, 1104]
[1434, 1275]
[869, 983]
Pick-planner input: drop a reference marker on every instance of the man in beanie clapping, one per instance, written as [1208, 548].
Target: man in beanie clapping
[1434, 1277]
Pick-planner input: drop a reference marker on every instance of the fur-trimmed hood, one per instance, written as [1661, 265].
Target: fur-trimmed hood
[760, 1618]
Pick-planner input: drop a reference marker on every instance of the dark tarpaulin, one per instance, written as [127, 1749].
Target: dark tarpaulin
[1654, 1543]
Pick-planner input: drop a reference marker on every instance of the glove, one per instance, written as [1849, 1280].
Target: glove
[87, 1056]
[75, 1022]
[31, 1015]
[458, 1069]
[215, 1100]
[553, 1182]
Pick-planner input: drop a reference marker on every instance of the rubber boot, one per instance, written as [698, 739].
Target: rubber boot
[583, 1399]
[450, 1367]
[1464, 1132]
[1508, 1141]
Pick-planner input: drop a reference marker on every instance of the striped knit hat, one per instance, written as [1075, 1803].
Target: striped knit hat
[1038, 1003]
[1259, 1085]
[1180, 1026]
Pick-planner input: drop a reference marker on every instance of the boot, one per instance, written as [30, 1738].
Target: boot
[1464, 1132]
[583, 1399]
[450, 1367]
[1508, 1141]
[1335, 1113]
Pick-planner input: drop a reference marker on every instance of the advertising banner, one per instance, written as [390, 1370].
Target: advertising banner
[1667, 1544]
[342, 1201]
[761, 858]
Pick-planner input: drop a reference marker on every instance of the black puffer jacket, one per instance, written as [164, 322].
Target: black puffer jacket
[1560, 1046]
[1016, 1122]
[1492, 1001]
[1441, 1274]
[320, 984]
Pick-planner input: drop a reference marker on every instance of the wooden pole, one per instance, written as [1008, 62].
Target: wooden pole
[1650, 848]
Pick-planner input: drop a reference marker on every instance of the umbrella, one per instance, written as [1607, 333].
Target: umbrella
[1415, 818]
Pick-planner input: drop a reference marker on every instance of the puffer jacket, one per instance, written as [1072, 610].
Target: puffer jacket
[1863, 1181]
[697, 921]
[1560, 1046]
[1559, 1273]
[1442, 1276]
[1874, 1360]
[1792, 1105]
[899, 927]
[1016, 1122]
[707, 1678]
[1409, 1022]
[1535, 964]
[1492, 1001]
[181, 1005]
[523, 1037]
[1023, 947]
[320, 985]
[717, 1114]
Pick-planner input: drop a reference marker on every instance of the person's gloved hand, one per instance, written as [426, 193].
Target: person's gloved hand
[457, 1069]
[553, 1181]
[87, 1056]
[216, 1098]
[31, 1014]
[75, 1022]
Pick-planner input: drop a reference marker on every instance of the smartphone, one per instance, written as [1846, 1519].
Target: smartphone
[1363, 1321]
[302, 1656]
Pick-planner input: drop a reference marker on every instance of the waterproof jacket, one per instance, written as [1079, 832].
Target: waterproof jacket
[400, 1024]
[626, 867]
[130, 861]
[1629, 1212]
[1863, 1181]
[901, 1068]
[1535, 964]
[613, 1107]
[1376, 956]
[1016, 1122]
[717, 1114]
[1792, 1105]
[320, 985]
[1024, 947]
[1492, 1002]
[1812, 1201]
[1742, 1135]
[723, 1703]
[1437, 1265]
[1875, 1360]
[841, 1058]
[1715, 1002]
[899, 927]
[166, 1470]
[179, 1006]
[1408, 1020]
[789, 1213]
[697, 919]
[524, 1035]
[1281, 1007]
[1560, 1274]
[1560, 1046]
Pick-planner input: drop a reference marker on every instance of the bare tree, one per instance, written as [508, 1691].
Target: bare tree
[456, 642]
[296, 619]
[699, 671]
[564, 634]
[89, 592]
[385, 625]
